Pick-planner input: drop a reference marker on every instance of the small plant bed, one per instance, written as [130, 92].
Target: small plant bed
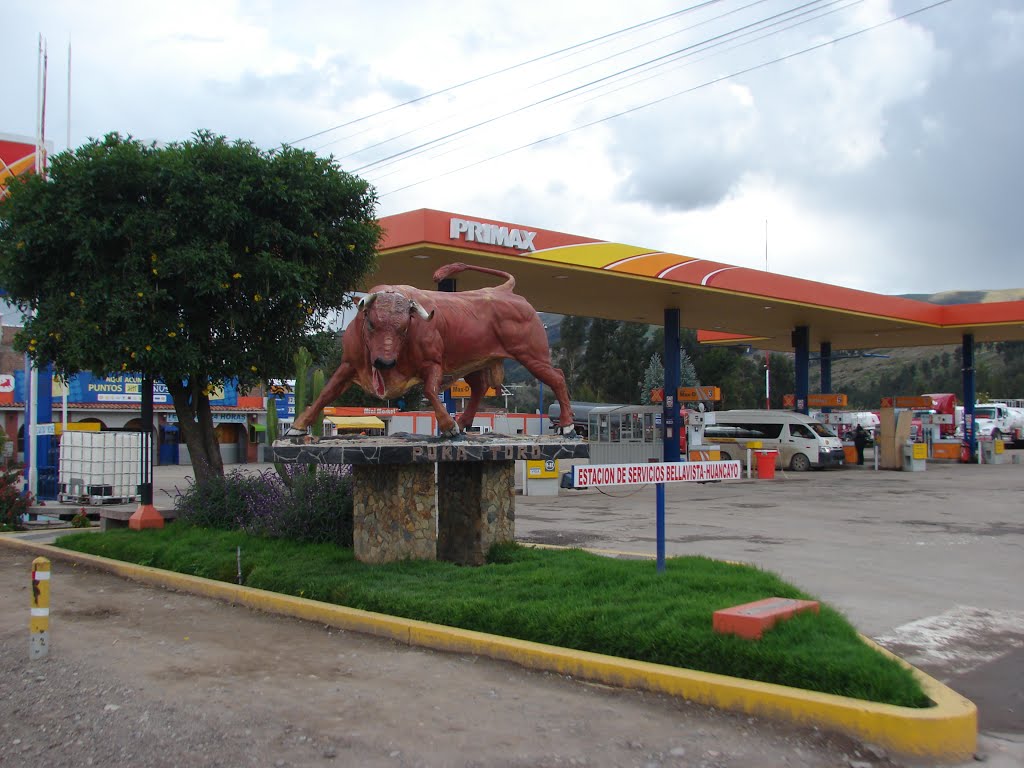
[567, 598]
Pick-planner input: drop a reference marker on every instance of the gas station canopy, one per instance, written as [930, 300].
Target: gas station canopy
[574, 275]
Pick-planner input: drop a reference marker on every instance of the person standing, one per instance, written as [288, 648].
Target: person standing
[860, 441]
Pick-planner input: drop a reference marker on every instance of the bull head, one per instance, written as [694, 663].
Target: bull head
[385, 327]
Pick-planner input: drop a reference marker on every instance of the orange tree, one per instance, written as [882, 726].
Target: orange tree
[192, 263]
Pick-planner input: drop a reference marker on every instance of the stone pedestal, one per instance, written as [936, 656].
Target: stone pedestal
[425, 498]
[394, 512]
[476, 508]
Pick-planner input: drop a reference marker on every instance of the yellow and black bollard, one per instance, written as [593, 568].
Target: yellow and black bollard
[39, 624]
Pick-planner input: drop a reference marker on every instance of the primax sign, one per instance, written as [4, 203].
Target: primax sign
[492, 234]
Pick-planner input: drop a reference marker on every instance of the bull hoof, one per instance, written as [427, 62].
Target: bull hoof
[293, 432]
[453, 432]
[569, 431]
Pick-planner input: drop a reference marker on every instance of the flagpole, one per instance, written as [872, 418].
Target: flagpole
[69, 96]
[64, 394]
[31, 443]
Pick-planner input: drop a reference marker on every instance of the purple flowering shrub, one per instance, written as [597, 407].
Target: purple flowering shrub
[312, 506]
[13, 503]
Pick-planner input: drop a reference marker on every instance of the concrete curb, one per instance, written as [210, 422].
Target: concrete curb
[948, 731]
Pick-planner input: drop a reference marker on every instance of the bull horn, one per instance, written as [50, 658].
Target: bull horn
[414, 306]
[366, 301]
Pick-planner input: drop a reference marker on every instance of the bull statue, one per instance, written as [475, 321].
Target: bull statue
[402, 336]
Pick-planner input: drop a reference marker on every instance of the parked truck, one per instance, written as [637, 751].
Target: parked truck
[998, 421]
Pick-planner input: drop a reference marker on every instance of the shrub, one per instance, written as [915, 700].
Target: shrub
[313, 507]
[80, 520]
[319, 507]
[13, 503]
[212, 503]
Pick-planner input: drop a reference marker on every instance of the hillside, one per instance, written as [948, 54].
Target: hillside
[860, 373]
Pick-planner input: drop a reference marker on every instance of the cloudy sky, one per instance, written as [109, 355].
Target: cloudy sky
[888, 159]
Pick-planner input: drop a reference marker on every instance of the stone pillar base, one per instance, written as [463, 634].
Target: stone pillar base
[476, 508]
[401, 513]
[394, 512]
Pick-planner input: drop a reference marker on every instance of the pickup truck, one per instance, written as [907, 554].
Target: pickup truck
[997, 421]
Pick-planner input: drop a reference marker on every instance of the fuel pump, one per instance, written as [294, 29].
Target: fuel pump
[691, 438]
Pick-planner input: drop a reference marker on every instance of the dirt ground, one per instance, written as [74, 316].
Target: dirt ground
[144, 677]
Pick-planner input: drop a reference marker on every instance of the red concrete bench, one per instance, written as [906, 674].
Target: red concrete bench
[751, 620]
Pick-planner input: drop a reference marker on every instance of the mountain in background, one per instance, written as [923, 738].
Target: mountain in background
[968, 297]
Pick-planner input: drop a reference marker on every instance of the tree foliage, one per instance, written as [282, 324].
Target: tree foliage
[568, 351]
[618, 362]
[194, 263]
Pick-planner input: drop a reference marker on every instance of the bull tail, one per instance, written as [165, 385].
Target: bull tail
[443, 273]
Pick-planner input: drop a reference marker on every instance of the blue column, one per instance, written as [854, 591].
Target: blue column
[448, 286]
[801, 347]
[967, 356]
[27, 446]
[826, 371]
[670, 408]
[46, 473]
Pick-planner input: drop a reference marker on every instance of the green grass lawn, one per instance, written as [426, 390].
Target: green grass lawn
[568, 598]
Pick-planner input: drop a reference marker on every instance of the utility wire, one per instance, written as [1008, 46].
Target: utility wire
[605, 93]
[655, 40]
[402, 135]
[419, 148]
[751, 41]
[502, 71]
[715, 81]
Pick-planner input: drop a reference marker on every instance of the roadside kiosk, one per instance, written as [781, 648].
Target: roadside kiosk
[632, 434]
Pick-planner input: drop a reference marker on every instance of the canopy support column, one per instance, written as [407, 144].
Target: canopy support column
[970, 433]
[670, 408]
[801, 346]
[826, 370]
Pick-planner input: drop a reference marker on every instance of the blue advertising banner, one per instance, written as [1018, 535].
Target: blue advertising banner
[285, 405]
[124, 388]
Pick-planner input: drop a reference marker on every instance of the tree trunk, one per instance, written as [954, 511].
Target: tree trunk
[195, 420]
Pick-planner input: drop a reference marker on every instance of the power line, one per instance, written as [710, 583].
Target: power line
[502, 71]
[753, 40]
[656, 40]
[715, 81]
[704, 46]
[674, 55]
[402, 135]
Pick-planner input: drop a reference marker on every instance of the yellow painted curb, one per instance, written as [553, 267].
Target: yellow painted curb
[948, 731]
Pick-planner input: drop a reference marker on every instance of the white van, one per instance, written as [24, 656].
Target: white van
[800, 442]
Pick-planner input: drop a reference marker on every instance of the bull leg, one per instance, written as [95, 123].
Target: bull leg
[553, 377]
[431, 386]
[335, 388]
[478, 381]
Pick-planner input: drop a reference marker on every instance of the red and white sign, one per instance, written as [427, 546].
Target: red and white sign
[338, 410]
[594, 475]
[6, 382]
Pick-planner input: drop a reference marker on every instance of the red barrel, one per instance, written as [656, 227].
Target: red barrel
[765, 465]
